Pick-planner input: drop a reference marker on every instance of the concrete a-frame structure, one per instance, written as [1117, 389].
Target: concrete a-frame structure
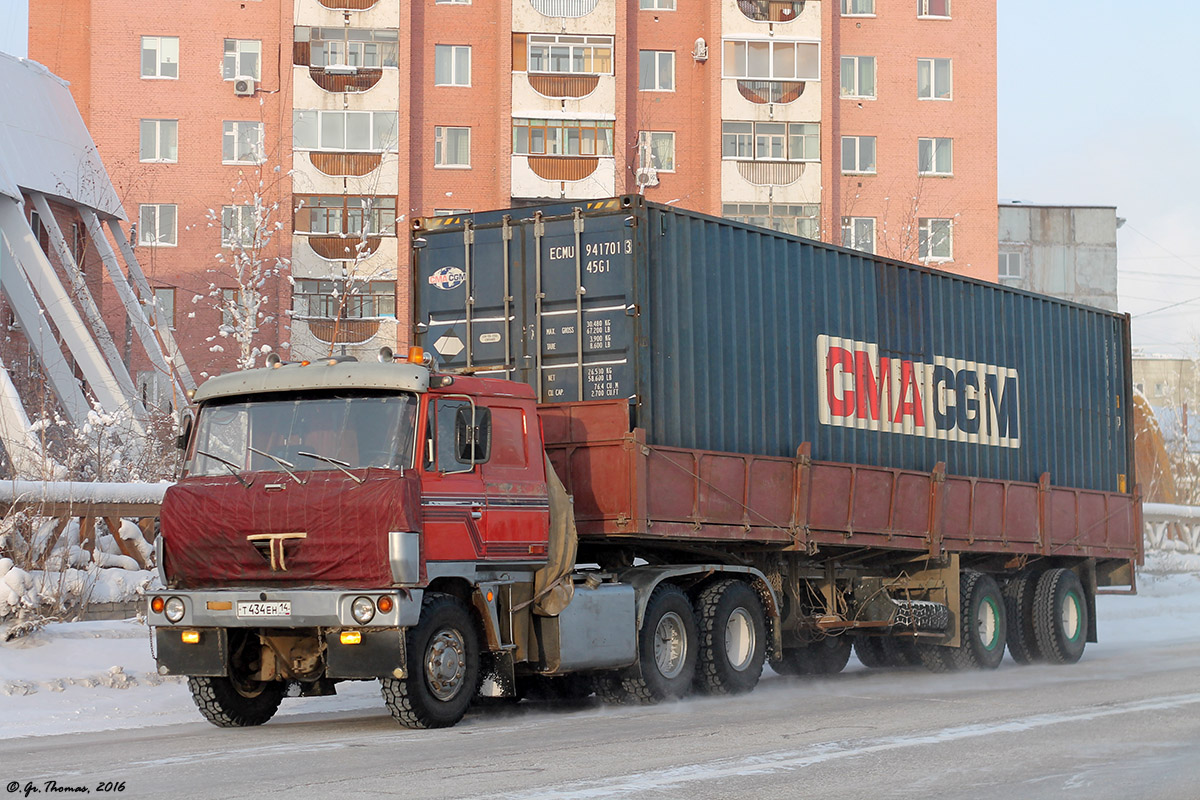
[49, 167]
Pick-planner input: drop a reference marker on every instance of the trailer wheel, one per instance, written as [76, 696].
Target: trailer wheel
[901, 652]
[935, 657]
[443, 667]
[732, 638]
[870, 651]
[1018, 607]
[229, 704]
[982, 623]
[667, 645]
[1060, 616]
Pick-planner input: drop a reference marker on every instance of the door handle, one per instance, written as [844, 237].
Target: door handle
[476, 512]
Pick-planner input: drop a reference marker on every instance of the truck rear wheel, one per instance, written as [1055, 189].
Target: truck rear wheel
[825, 656]
[443, 667]
[870, 651]
[732, 638]
[667, 649]
[1018, 608]
[901, 652]
[983, 625]
[229, 704]
[1060, 616]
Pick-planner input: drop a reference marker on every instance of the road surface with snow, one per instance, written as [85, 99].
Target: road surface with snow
[81, 705]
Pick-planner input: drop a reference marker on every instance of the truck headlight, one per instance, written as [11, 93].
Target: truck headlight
[174, 609]
[363, 610]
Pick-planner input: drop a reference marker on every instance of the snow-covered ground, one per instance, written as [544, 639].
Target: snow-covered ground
[95, 676]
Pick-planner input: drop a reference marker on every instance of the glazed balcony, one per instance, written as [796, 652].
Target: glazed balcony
[771, 10]
[777, 92]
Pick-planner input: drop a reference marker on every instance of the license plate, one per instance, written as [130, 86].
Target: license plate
[256, 609]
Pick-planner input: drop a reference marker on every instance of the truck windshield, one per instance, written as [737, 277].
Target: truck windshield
[334, 430]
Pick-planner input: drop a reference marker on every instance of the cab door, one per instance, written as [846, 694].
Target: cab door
[452, 493]
[514, 479]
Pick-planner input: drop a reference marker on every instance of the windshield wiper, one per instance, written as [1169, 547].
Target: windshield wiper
[284, 463]
[229, 465]
[339, 464]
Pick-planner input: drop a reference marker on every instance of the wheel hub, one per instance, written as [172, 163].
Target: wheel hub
[739, 639]
[445, 664]
[670, 645]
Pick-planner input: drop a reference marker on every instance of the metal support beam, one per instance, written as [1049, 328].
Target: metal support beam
[84, 296]
[57, 304]
[23, 448]
[162, 326]
[37, 332]
[137, 312]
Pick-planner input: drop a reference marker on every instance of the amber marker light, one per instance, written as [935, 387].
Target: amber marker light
[351, 637]
[490, 595]
[385, 604]
[190, 637]
[156, 605]
[416, 355]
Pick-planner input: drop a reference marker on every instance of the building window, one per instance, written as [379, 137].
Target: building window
[580, 55]
[656, 150]
[157, 224]
[243, 59]
[350, 47]
[858, 76]
[348, 131]
[237, 226]
[857, 7]
[164, 298]
[242, 143]
[935, 156]
[656, 70]
[160, 56]
[933, 79]
[771, 141]
[798, 220]
[78, 244]
[452, 147]
[344, 300]
[858, 154]
[336, 215]
[858, 233]
[933, 240]
[933, 8]
[1010, 267]
[772, 61]
[657, 5]
[159, 140]
[451, 65]
[563, 137]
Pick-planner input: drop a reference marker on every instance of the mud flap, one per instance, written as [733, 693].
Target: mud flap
[380, 654]
[208, 658]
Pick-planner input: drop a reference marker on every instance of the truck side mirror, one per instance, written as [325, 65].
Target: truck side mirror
[473, 438]
[181, 441]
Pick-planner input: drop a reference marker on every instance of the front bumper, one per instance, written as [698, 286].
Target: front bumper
[311, 608]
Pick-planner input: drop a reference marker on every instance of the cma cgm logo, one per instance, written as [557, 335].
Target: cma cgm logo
[447, 278]
[952, 399]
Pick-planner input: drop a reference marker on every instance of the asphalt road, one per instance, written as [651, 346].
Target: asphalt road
[1123, 723]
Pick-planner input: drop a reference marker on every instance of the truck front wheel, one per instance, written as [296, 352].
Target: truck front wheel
[443, 667]
[732, 638]
[227, 704]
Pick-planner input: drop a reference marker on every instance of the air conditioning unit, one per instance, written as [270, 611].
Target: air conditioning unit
[700, 50]
[243, 86]
[647, 176]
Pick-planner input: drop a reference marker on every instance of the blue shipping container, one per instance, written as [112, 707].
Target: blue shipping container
[729, 337]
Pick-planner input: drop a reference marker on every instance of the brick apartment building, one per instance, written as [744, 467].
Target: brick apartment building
[331, 123]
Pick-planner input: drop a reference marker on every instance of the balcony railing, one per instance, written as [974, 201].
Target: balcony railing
[348, 5]
[563, 168]
[563, 85]
[345, 164]
[1171, 527]
[771, 91]
[360, 80]
[343, 248]
[771, 10]
[564, 8]
[771, 173]
[343, 331]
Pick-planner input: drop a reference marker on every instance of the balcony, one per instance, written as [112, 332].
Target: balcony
[568, 177]
[354, 79]
[778, 92]
[563, 86]
[348, 5]
[771, 10]
[341, 165]
[772, 173]
[343, 331]
[343, 248]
